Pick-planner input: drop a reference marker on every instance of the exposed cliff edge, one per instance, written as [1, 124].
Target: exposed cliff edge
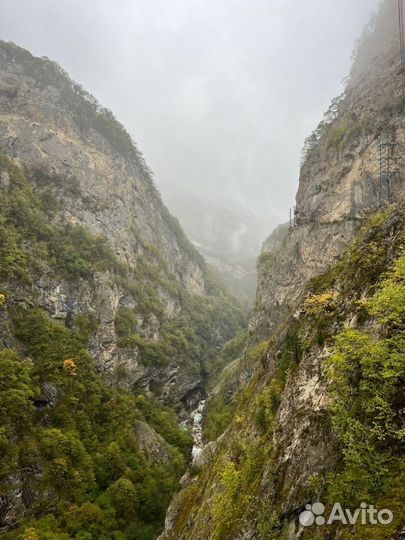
[340, 180]
[77, 153]
[307, 424]
[109, 319]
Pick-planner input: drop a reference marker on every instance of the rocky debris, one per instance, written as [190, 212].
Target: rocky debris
[206, 454]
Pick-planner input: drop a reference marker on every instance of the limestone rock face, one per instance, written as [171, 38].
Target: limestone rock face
[340, 180]
[105, 188]
[76, 150]
[307, 251]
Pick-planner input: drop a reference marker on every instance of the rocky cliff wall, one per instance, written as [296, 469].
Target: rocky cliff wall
[296, 436]
[340, 181]
[76, 153]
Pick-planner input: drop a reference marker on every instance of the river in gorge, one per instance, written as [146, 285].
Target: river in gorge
[195, 420]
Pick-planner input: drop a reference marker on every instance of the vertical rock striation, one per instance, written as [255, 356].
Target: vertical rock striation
[76, 153]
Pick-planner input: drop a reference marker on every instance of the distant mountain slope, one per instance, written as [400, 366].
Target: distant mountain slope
[228, 234]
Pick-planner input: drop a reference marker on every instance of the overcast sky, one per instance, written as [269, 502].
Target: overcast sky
[218, 94]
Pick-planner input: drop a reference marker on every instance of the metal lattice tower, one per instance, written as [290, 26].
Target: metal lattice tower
[389, 169]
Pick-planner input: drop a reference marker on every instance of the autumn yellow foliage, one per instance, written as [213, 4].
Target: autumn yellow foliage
[70, 366]
[318, 303]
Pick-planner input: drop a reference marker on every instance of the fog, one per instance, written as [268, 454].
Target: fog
[218, 94]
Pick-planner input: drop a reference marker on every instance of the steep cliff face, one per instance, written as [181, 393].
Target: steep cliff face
[110, 322]
[340, 180]
[76, 152]
[306, 425]
[310, 424]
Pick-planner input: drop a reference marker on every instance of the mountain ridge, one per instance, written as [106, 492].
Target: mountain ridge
[74, 148]
[110, 321]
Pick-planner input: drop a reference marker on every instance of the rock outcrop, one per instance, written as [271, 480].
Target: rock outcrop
[282, 450]
[341, 180]
[74, 150]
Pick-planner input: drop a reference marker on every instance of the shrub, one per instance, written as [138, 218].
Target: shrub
[343, 134]
[224, 511]
[368, 375]
[27, 240]
[218, 414]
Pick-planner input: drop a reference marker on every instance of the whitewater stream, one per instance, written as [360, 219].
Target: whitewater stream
[196, 428]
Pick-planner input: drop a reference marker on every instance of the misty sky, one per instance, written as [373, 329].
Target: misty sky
[218, 94]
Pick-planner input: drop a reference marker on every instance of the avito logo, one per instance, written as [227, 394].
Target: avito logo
[367, 514]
